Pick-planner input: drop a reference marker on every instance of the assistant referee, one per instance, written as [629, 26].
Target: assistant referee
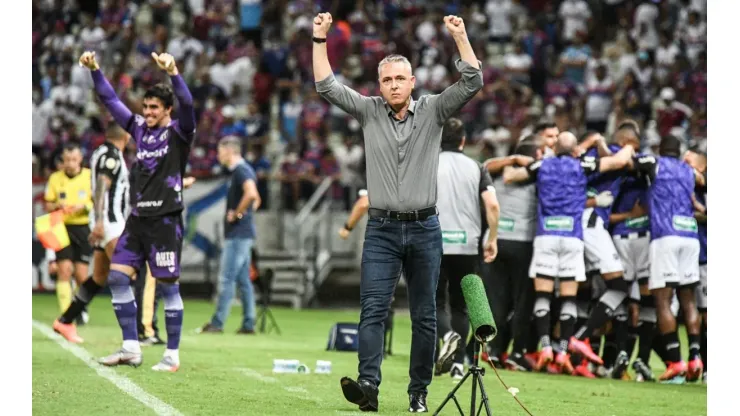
[70, 190]
[462, 183]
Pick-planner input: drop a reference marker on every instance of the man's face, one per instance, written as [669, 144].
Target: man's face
[695, 160]
[72, 161]
[550, 136]
[396, 83]
[154, 112]
[224, 155]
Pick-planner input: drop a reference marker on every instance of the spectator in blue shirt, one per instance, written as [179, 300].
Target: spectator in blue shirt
[239, 232]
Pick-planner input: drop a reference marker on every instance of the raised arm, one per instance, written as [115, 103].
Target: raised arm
[186, 118]
[454, 97]
[327, 86]
[619, 161]
[496, 165]
[107, 95]
[522, 174]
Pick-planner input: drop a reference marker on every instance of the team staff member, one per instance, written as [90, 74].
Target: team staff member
[507, 279]
[239, 231]
[402, 139]
[462, 184]
[70, 190]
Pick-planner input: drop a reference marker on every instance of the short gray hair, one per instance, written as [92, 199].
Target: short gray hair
[232, 142]
[393, 58]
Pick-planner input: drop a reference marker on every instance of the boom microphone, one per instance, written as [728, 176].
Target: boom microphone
[479, 311]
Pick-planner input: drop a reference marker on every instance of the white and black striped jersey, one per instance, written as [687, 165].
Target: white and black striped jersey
[108, 160]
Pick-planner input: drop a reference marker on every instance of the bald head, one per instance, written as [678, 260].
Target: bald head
[566, 143]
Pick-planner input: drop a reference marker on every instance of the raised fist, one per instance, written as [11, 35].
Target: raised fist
[166, 62]
[321, 24]
[88, 60]
[454, 25]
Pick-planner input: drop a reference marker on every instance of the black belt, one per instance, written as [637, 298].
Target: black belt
[632, 236]
[418, 215]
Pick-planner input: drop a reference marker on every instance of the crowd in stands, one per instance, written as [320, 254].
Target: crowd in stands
[584, 64]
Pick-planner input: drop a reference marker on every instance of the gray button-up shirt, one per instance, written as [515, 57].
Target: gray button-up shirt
[402, 155]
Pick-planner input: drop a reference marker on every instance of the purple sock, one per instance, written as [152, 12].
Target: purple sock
[124, 304]
[173, 312]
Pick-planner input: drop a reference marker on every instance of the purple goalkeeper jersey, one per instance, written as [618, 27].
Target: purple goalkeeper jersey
[162, 152]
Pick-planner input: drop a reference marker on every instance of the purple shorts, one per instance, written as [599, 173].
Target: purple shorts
[156, 240]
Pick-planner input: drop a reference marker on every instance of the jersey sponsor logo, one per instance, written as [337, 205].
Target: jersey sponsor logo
[588, 162]
[681, 223]
[149, 204]
[638, 222]
[646, 159]
[559, 223]
[165, 259]
[506, 224]
[146, 154]
[454, 237]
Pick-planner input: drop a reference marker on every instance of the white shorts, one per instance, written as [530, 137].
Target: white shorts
[111, 230]
[600, 252]
[558, 257]
[674, 260]
[634, 251]
[634, 291]
[701, 290]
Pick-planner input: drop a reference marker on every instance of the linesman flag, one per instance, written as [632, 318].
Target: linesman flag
[51, 231]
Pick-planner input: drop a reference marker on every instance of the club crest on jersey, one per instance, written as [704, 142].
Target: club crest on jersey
[164, 136]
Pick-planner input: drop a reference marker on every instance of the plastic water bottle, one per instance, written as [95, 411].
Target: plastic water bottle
[285, 366]
[323, 367]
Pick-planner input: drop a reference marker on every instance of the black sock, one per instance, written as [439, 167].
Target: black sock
[533, 337]
[595, 344]
[610, 350]
[542, 317]
[704, 346]
[84, 295]
[694, 346]
[672, 347]
[600, 314]
[632, 333]
[647, 333]
[621, 332]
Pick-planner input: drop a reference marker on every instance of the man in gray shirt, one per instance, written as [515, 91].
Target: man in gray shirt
[402, 141]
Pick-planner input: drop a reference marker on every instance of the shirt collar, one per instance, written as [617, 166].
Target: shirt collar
[412, 107]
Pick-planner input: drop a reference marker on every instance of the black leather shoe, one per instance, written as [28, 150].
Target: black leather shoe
[363, 393]
[418, 403]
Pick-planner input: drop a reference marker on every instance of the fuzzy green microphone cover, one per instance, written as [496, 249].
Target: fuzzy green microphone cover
[479, 311]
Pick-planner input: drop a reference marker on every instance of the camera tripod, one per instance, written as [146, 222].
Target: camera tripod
[265, 314]
[477, 374]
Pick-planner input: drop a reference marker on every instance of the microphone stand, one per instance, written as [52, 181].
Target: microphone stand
[477, 373]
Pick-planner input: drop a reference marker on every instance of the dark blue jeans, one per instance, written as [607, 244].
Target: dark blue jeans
[390, 247]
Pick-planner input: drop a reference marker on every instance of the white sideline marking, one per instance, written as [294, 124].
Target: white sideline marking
[123, 383]
[267, 379]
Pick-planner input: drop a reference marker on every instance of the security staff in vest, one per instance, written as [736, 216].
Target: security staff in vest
[507, 279]
[402, 140]
[462, 183]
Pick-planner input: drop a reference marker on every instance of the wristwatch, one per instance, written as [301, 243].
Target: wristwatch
[319, 40]
[239, 215]
[347, 227]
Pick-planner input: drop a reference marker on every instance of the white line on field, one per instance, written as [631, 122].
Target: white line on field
[123, 383]
[267, 379]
